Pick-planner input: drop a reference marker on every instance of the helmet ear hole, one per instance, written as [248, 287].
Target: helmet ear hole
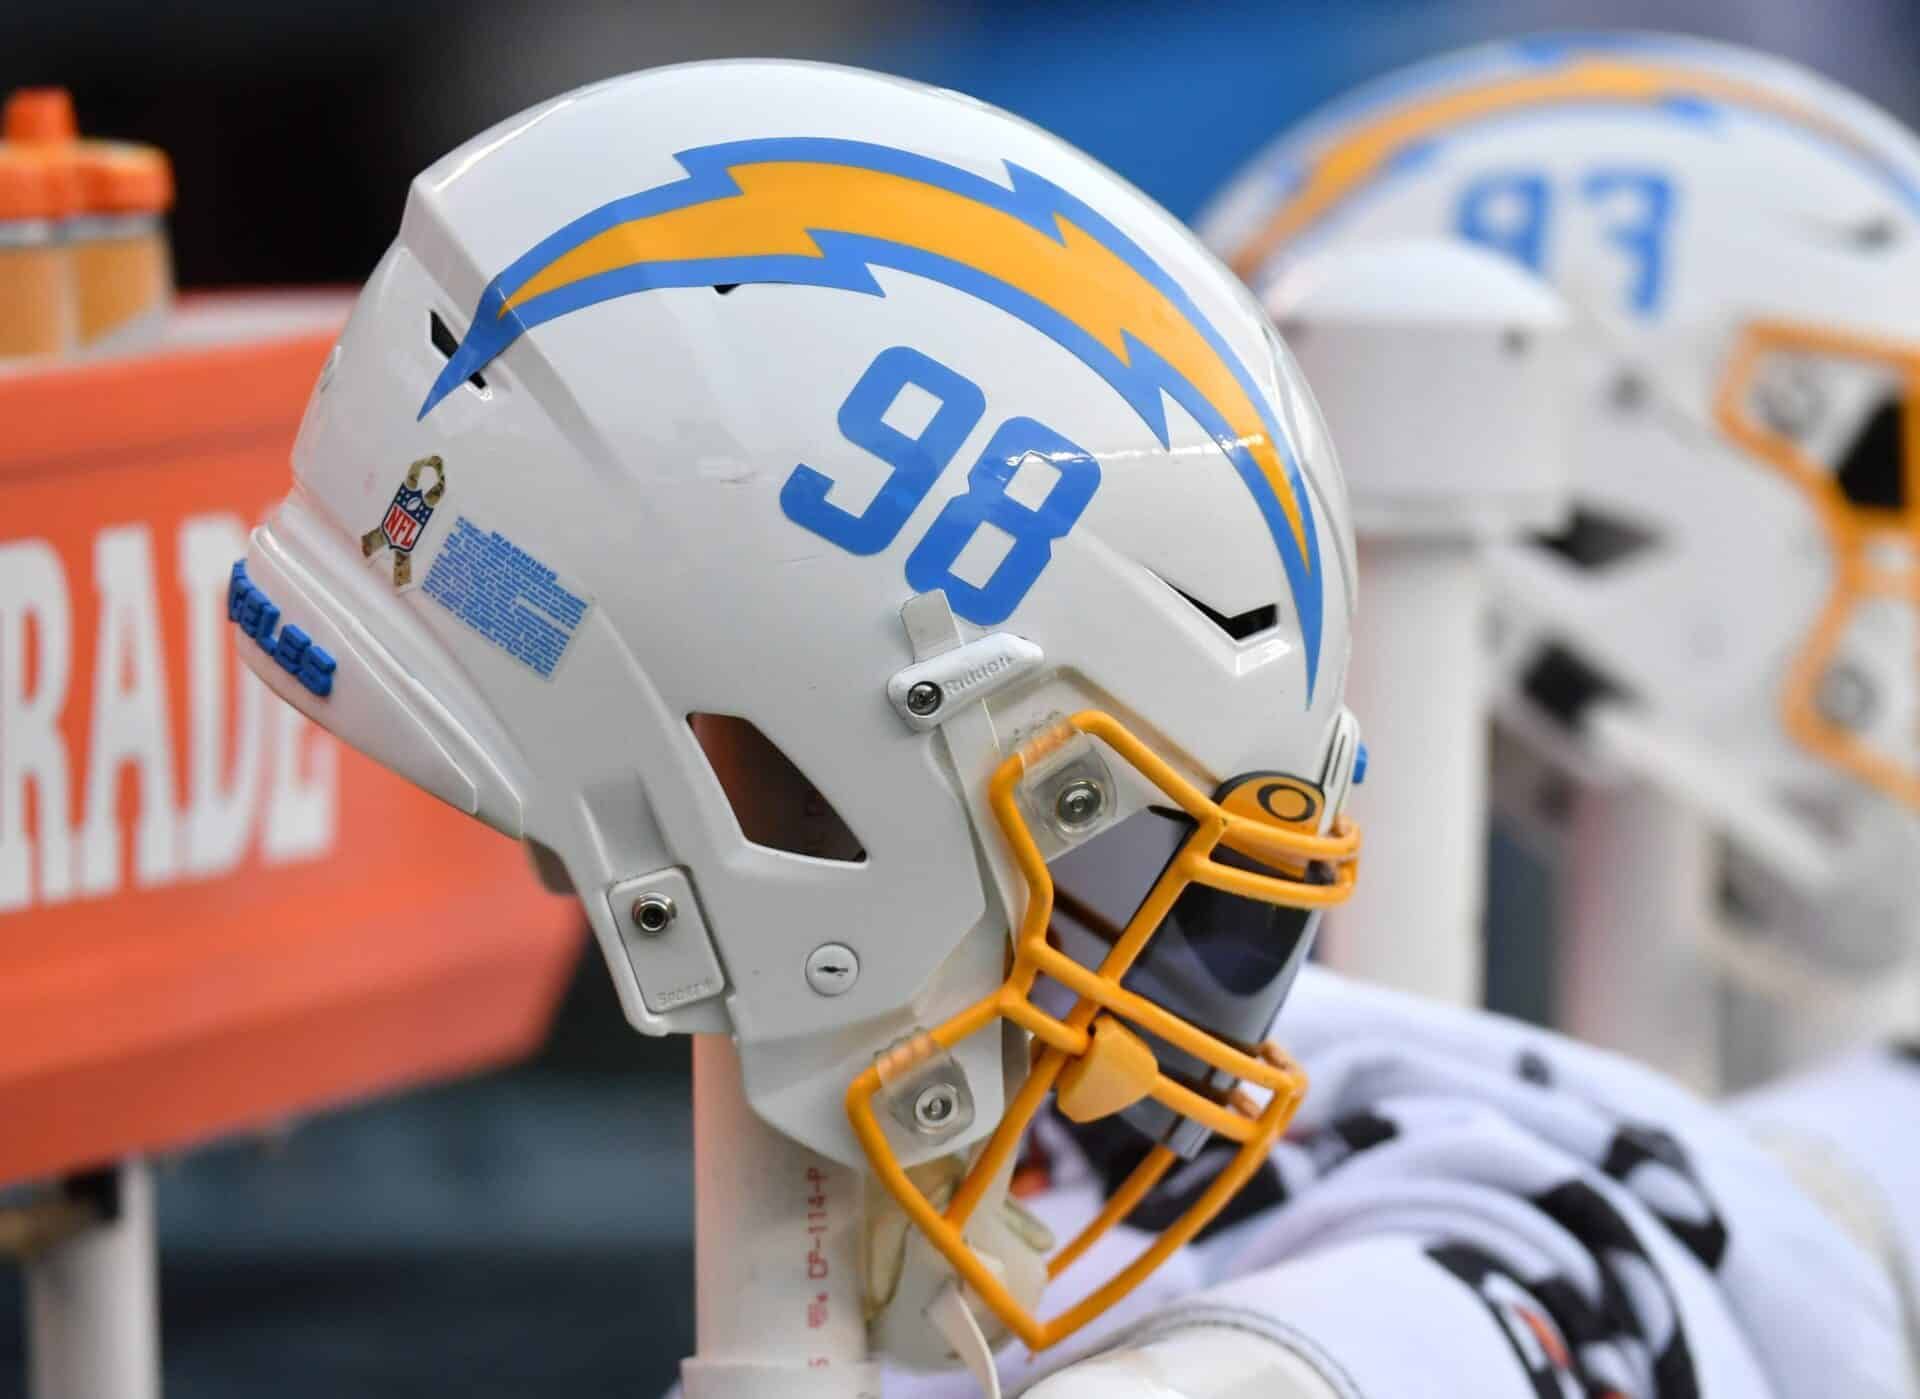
[776, 804]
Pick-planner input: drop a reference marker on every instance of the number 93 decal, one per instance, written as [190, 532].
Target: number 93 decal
[1513, 212]
[918, 461]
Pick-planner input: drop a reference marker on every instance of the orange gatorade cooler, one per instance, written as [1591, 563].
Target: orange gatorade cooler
[212, 916]
[38, 304]
[122, 266]
[117, 251]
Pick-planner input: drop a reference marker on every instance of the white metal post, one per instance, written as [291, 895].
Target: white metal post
[93, 1311]
[1441, 370]
[1418, 685]
[1632, 972]
[777, 1254]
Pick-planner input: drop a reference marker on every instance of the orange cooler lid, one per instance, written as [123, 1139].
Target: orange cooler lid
[101, 177]
[40, 116]
[117, 177]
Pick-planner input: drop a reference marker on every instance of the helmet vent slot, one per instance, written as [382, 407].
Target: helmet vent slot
[1241, 625]
[441, 335]
[1875, 234]
[1566, 686]
[1870, 474]
[1593, 540]
[722, 288]
[775, 803]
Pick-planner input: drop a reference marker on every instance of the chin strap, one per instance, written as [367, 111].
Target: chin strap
[956, 1324]
[919, 1311]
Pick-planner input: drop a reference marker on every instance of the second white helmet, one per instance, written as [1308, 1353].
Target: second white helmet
[1739, 241]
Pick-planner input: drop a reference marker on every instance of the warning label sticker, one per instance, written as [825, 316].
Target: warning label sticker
[505, 594]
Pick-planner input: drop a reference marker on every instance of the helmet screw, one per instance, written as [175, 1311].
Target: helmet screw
[923, 698]
[832, 968]
[1791, 400]
[1845, 697]
[653, 914]
[936, 1107]
[1629, 391]
[1079, 804]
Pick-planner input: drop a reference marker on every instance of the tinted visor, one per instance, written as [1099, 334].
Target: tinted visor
[1219, 960]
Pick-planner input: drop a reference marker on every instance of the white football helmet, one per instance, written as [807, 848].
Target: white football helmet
[804, 507]
[1735, 609]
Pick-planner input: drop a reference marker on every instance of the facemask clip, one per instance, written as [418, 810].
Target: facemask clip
[1068, 791]
[924, 1088]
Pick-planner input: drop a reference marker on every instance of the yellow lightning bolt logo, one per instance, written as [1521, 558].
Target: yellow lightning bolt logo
[1366, 150]
[825, 213]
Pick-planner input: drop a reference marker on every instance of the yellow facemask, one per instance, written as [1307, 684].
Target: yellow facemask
[1864, 528]
[1094, 1060]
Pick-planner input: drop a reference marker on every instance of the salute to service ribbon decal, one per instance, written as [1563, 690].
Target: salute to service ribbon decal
[406, 518]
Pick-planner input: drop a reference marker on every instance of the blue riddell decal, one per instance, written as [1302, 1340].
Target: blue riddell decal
[1141, 332]
[250, 609]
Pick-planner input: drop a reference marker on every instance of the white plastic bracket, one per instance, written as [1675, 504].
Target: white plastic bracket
[960, 1328]
[955, 679]
[1695, 779]
[965, 727]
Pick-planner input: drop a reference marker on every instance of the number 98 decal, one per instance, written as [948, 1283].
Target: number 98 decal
[918, 461]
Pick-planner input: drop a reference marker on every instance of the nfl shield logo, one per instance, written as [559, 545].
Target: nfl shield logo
[406, 518]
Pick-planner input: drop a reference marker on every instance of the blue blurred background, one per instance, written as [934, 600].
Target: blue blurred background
[528, 1231]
